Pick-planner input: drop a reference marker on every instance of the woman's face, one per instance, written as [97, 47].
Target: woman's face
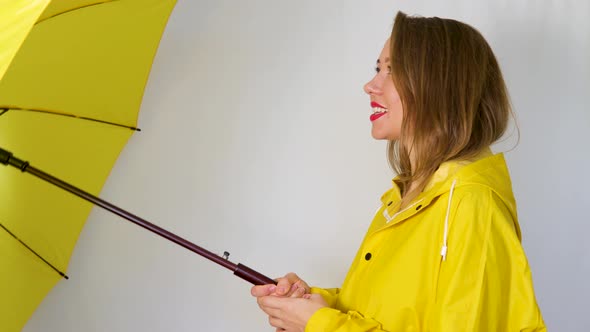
[387, 112]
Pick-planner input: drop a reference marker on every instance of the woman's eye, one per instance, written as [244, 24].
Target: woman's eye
[378, 70]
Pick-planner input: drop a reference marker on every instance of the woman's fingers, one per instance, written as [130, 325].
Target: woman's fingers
[273, 305]
[299, 291]
[282, 303]
[263, 290]
[285, 284]
[289, 286]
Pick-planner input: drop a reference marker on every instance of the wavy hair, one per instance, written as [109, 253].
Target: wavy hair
[453, 94]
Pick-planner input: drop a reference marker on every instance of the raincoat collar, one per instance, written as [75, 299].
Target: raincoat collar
[465, 171]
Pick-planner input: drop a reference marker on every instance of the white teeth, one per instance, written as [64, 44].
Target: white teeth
[379, 110]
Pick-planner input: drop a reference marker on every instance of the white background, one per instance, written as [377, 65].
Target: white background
[256, 141]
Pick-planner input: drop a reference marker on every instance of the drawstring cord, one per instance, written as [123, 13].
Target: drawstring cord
[443, 250]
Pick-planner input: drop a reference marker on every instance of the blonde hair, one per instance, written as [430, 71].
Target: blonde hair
[454, 98]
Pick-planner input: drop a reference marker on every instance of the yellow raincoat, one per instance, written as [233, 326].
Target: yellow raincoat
[451, 261]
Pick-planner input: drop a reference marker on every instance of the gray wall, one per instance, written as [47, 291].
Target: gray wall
[256, 141]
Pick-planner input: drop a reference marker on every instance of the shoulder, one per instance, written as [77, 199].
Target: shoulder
[478, 207]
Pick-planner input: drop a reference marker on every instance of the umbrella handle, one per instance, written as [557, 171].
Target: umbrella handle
[252, 276]
[240, 270]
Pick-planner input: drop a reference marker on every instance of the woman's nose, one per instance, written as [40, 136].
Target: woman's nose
[371, 87]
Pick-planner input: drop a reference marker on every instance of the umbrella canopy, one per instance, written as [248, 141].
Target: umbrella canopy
[69, 100]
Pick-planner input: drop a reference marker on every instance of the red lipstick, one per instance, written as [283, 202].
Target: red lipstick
[376, 104]
[376, 116]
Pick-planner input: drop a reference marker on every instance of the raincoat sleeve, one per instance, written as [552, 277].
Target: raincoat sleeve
[330, 295]
[333, 320]
[485, 283]
[330, 319]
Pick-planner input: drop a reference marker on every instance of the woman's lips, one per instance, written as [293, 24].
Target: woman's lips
[376, 116]
[375, 104]
[378, 111]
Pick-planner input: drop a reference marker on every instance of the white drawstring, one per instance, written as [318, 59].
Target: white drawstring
[443, 250]
[386, 215]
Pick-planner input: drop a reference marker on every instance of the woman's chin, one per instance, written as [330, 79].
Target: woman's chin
[380, 136]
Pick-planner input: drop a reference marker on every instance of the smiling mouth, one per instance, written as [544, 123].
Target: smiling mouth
[377, 113]
[378, 110]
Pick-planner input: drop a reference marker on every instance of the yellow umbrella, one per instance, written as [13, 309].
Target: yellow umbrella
[72, 79]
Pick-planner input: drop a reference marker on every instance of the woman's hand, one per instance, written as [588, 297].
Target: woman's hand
[291, 314]
[288, 304]
[288, 286]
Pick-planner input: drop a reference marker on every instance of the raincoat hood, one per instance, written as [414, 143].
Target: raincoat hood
[486, 171]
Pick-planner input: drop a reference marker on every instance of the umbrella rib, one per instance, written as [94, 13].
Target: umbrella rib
[73, 9]
[33, 251]
[12, 108]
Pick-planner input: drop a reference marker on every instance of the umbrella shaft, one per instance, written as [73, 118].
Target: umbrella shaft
[239, 270]
[131, 217]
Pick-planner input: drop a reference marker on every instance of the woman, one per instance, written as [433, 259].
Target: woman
[443, 253]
